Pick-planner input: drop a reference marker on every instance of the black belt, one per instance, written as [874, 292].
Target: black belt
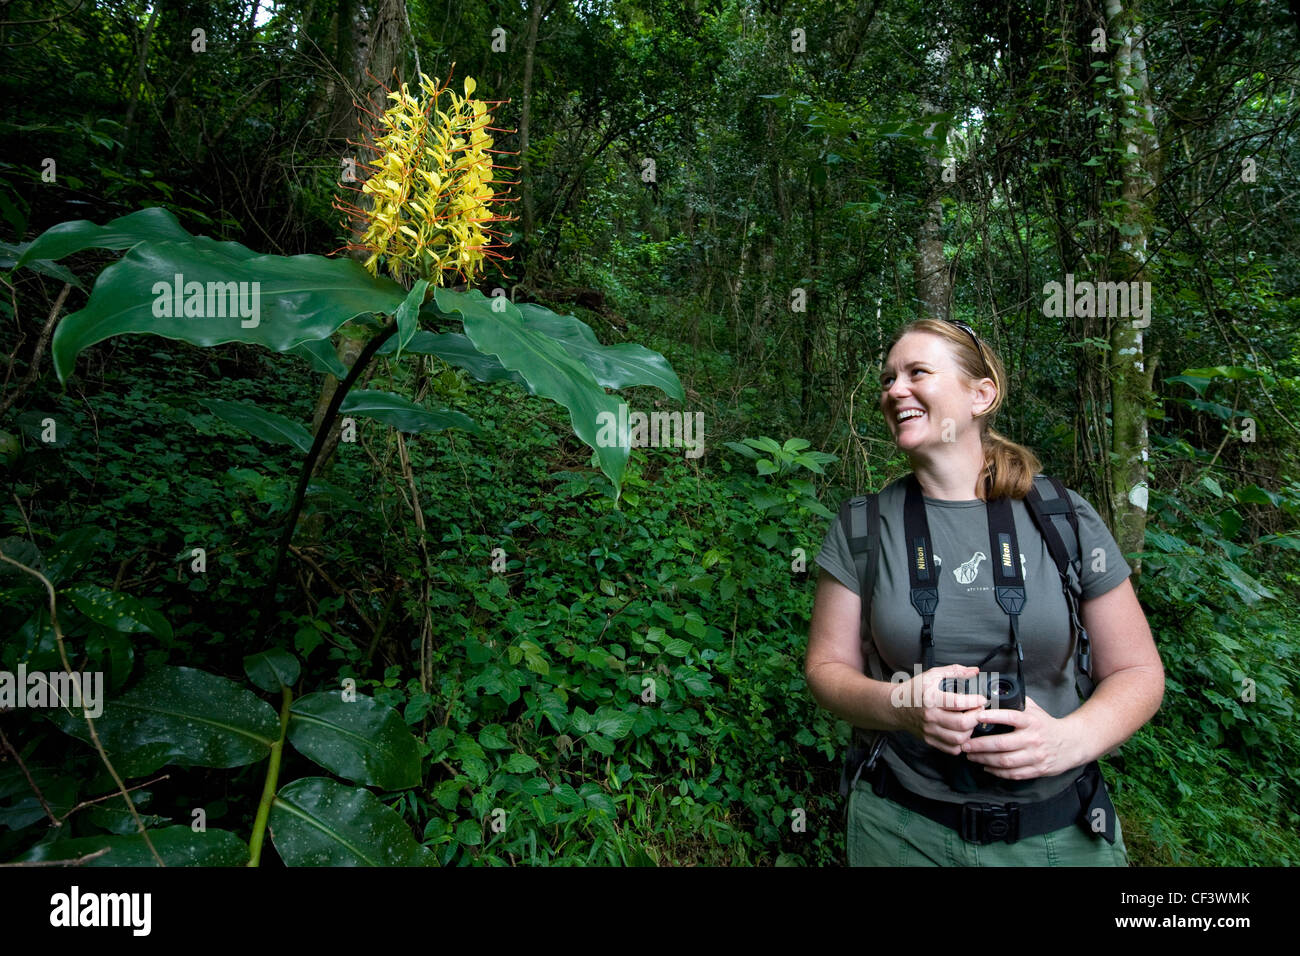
[1085, 802]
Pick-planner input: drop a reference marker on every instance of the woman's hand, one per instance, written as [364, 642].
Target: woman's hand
[1039, 746]
[943, 719]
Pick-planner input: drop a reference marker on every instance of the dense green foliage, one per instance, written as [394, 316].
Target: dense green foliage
[591, 681]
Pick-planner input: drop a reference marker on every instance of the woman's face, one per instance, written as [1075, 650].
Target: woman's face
[921, 375]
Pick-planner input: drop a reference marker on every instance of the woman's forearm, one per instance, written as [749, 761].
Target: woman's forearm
[853, 696]
[1118, 707]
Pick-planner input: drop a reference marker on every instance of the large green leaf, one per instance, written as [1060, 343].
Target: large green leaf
[183, 716]
[613, 723]
[177, 845]
[272, 670]
[260, 423]
[322, 356]
[402, 413]
[407, 315]
[359, 739]
[73, 549]
[320, 822]
[66, 238]
[550, 370]
[297, 298]
[10, 253]
[1248, 589]
[119, 611]
[614, 366]
[455, 349]
[1223, 371]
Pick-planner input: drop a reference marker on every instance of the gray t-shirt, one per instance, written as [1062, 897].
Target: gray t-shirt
[969, 624]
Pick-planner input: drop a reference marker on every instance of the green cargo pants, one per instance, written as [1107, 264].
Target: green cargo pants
[882, 833]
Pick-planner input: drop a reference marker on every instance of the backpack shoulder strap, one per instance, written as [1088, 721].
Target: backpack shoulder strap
[1053, 513]
[860, 518]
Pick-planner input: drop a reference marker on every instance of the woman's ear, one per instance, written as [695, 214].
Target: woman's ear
[986, 394]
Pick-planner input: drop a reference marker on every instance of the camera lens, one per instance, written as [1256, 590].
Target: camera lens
[1002, 688]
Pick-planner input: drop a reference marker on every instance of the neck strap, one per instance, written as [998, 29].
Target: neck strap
[1008, 579]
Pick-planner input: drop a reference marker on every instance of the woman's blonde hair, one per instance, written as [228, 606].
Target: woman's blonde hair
[1009, 469]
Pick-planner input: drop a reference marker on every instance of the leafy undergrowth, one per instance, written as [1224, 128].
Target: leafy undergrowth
[609, 685]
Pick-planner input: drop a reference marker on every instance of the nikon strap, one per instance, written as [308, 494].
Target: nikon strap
[1049, 506]
[861, 517]
[920, 567]
[1008, 579]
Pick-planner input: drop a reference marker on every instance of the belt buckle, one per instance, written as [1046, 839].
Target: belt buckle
[987, 823]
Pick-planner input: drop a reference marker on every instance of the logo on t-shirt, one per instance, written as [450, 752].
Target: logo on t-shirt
[967, 571]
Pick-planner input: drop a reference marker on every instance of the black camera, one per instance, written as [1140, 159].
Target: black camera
[1003, 693]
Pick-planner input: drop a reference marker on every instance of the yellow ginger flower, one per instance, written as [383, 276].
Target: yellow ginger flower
[431, 187]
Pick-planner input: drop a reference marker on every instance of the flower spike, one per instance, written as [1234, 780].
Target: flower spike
[430, 186]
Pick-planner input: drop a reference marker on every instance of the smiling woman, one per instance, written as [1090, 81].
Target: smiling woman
[931, 369]
[965, 764]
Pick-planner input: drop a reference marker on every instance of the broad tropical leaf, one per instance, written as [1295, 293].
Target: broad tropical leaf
[319, 822]
[455, 349]
[402, 413]
[550, 370]
[614, 366]
[408, 314]
[183, 716]
[177, 845]
[322, 357]
[260, 423]
[278, 302]
[271, 670]
[360, 739]
[124, 232]
[119, 611]
[10, 253]
[73, 549]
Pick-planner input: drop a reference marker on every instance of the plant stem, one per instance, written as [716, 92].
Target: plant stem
[322, 433]
[272, 778]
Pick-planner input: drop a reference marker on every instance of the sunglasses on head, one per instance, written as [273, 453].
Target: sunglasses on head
[988, 373]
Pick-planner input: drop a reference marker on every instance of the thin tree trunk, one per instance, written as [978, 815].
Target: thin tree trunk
[1130, 378]
[525, 113]
[380, 49]
[137, 85]
[929, 267]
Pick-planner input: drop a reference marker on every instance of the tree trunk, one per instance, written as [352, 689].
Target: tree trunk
[1130, 378]
[137, 85]
[378, 51]
[929, 267]
[525, 113]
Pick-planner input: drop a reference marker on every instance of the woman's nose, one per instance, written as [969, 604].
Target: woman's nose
[896, 390]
